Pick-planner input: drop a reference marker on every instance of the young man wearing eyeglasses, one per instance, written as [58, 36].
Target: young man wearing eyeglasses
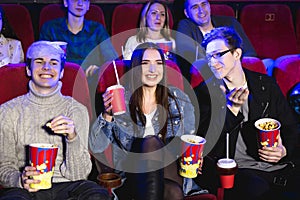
[230, 102]
[191, 31]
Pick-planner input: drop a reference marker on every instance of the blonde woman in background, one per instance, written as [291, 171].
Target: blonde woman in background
[153, 27]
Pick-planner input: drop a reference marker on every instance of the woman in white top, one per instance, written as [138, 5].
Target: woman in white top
[154, 27]
[10, 48]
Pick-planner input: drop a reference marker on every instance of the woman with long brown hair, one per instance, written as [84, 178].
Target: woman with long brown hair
[145, 138]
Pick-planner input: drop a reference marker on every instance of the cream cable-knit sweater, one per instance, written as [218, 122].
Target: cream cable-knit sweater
[21, 122]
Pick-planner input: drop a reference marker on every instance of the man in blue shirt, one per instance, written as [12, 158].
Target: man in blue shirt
[82, 37]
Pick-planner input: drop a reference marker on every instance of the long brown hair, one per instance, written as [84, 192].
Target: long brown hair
[143, 27]
[162, 92]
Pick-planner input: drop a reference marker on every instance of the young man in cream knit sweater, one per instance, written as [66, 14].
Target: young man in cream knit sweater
[23, 121]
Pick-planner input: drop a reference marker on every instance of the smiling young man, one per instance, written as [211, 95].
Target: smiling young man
[23, 120]
[82, 36]
[230, 102]
[191, 31]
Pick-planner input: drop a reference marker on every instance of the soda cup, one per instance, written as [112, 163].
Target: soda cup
[166, 47]
[62, 45]
[118, 102]
[227, 169]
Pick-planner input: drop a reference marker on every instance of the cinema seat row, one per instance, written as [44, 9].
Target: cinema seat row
[273, 33]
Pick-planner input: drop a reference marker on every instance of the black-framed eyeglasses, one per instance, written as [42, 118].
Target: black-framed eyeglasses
[217, 55]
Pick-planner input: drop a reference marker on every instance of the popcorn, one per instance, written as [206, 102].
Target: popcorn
[49, 125]
[191, 141]
[270, 125]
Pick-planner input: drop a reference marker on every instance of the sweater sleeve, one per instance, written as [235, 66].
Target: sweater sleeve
[17, 54]
[130, 45]
[9, 171]
[188, 115]
[77, 163]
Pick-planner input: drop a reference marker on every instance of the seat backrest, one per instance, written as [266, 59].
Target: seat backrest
[75, 85]
[19, 19]
[14, 82]
[254, 64]
[53, 11]
[222, 9]
[269, 27]
[125, 20]
[287, 73]
[107, 75]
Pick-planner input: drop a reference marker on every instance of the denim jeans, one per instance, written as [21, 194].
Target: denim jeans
[77, 190]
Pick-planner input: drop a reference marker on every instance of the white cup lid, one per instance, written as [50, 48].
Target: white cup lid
[226, 163]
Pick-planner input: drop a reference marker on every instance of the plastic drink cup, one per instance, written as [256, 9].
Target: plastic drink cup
[190, 161]
[42, 157]
[268, 131]
[62, 45]
[118, 102]
[227, 169]
[166, 47]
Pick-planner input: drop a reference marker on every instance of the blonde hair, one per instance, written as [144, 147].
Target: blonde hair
[142, 31]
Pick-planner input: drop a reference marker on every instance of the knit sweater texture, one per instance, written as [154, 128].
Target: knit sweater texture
[22, 121]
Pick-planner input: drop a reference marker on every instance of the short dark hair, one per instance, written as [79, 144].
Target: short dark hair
[186, 3]
[62, 62]
[39, 48]
[228, 34]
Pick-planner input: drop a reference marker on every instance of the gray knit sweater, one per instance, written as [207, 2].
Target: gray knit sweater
[21, 122]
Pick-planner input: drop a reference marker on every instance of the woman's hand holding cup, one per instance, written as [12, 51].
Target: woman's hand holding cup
[114, 101]
[107, 99]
